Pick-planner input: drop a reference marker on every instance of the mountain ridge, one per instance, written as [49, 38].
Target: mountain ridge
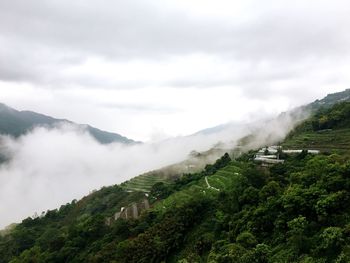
[16, 123]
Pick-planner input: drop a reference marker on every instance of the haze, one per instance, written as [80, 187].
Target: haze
[153, 71]
[50, 167]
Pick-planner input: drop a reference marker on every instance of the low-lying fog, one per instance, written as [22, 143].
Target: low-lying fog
[50, 167]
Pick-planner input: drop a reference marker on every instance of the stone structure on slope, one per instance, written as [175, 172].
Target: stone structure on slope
[133, 211]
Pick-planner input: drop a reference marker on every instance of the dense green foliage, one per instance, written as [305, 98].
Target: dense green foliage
[68, 228]
[232, 211]
[292, 212]
[336, 117]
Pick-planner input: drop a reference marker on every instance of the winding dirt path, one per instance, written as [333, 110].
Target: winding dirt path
[209, 186]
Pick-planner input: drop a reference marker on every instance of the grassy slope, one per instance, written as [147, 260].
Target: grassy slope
[193, 164]
[144, 183]
[327, 140]
[328, 130]
[221, 180]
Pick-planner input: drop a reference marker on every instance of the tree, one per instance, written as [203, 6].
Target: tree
[331, 240]
[246, 239]
[296, 234]
[160, 190]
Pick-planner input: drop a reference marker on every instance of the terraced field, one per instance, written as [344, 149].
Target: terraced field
[143, 183]
[326, 140]
[221, 180]
[193, 164]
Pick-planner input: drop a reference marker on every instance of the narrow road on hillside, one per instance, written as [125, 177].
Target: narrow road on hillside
[209, 186]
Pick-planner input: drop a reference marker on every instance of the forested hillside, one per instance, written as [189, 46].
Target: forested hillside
[232, 211]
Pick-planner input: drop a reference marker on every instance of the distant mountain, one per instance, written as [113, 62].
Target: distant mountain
[17, 123]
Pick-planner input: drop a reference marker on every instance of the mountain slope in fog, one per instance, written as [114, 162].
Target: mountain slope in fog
[258, 134]
[330, 100]
[326, 102]
[17, 123]
[232, 211]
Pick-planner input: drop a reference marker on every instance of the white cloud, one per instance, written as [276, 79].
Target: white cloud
[49, 167]
[72, 59]
[154, 69]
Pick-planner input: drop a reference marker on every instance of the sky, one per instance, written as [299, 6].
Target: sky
[153, 69]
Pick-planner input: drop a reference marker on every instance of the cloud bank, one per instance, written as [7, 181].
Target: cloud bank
[165, 51]
[49, 167]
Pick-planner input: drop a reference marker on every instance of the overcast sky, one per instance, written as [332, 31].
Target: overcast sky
[148, 69]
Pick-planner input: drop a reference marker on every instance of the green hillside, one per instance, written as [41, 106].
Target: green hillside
[219, 181]
[194, 163]
[231, 211]
[327, 130]
[144, 183]
[292, 212]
